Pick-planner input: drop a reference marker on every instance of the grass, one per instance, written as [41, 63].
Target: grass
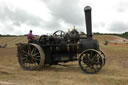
[111, 81]
[11, 41]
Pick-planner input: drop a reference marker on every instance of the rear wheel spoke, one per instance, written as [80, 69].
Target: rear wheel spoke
[33, 50]
[35, 54]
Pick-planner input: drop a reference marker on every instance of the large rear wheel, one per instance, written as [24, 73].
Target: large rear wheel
[31, 56]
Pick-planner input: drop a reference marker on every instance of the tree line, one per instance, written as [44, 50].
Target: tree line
[124, 35]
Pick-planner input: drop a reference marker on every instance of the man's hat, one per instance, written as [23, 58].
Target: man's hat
[30, 30]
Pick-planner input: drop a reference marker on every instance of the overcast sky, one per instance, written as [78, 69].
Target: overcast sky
[17, 17]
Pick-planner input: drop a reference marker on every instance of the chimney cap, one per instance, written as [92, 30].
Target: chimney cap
[87, 8]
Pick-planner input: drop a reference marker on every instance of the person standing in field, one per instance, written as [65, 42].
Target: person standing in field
[30, 37]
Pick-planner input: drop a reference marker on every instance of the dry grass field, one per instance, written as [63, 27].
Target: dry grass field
[11, 41]
[115, 72]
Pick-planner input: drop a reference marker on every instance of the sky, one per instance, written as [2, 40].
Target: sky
[17, 17]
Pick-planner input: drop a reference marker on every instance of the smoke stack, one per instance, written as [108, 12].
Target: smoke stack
[87, 11]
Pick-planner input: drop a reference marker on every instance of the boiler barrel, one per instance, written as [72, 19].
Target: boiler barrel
[67, 48]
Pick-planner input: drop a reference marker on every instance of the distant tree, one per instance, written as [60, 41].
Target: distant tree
[25, 34]
[82, 33]
[97, 33]
[126, 33]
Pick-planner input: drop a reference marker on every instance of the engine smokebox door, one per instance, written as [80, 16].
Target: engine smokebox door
[89, 44]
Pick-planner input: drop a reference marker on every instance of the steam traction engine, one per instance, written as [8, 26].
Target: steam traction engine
[63, 47]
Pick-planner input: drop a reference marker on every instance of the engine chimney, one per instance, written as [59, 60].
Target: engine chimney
[87, 11]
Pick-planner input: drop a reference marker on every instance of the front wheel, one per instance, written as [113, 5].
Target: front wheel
[91, 61]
